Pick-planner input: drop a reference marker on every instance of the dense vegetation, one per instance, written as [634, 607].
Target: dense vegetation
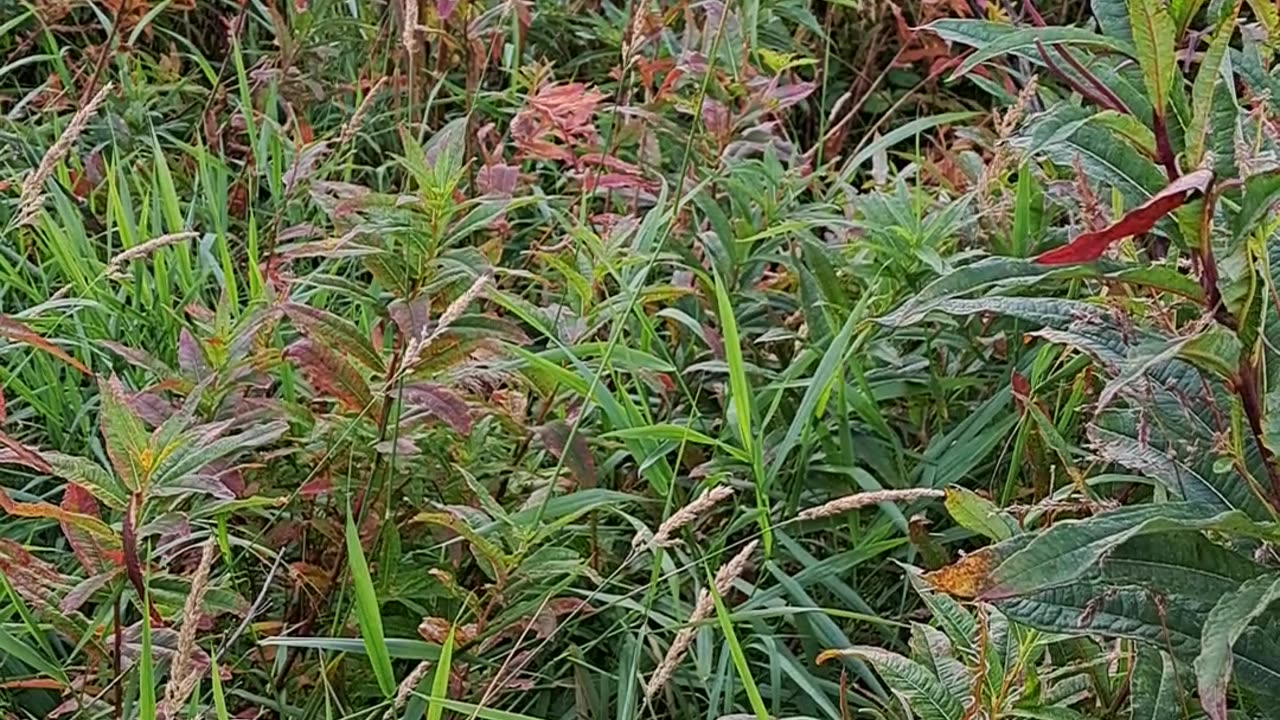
[529, 359]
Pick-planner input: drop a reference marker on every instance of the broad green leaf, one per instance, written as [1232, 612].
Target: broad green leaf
[1130, 611]
[1153, 38]
[1206, 81]
[1185, 564]
[1113, 18]
[1193, 483]
[920, 689]
[90, 476]
[1226, 623]
[978, 514]
[1154, 689]
[1069, 549]
[368, 614]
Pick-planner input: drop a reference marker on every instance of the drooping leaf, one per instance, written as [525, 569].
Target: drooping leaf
[18, 332]
[88, 548]
[1023, 39]
[919, 688]
[1090, 246]
[1154, 687]
[1226, 623]
[1069, 549]
[440, 402]
[90, 476]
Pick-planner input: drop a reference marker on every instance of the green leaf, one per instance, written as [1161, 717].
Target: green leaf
[123, 434]
[738, 656]
[1153, 38]
[1226, 623]
[440, 682]
[739, 389]
[833, 359]
[402, 648]
[919, 688]
[1113, 18]
[90, 476]
[1154, 689]
[677, 433]
[368, 614]
[898, 134]
[1024, 39]
[978, 514]
[1193, 483]
[146, 670]
[1069, 549]
[1205, 83]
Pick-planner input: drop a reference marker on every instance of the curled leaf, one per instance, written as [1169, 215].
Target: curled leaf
[1090, 246]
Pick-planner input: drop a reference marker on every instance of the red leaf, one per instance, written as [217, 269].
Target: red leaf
[1091, 245]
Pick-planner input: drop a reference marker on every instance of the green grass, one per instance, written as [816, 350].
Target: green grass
[691, 247]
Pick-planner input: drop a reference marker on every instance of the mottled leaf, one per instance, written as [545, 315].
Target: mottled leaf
[555, 436]
[331, 375]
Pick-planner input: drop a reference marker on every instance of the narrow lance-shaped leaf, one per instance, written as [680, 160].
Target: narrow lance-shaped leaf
[367, 612]
[335, 333]
[1154, 686]
[1090, 246]
[1226, 623]
[921, 689]
[1153, 37]
[331, 375]
[19, 332]
[1206, 82]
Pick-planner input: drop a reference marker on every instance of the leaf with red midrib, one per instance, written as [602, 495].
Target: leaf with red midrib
[1091, 245]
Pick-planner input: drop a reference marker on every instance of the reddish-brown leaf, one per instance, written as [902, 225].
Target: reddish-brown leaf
[440, 402]
[331, 375]
[18, 454]
[34, 579]
[577, 457]
[1091, 245]
[18, 332]
[88, 549]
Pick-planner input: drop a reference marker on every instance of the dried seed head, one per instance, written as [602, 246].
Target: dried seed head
[860, 500]
[689, 513]
[725, 576]
[32, 196]
[183, 675]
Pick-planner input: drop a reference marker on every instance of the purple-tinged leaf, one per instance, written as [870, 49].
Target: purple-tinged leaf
[335, 333]
[577, 457]
[191, 357]
[440, 402]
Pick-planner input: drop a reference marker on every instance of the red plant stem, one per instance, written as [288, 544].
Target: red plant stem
[1164, 150]
[1246, 385]
[132, 565]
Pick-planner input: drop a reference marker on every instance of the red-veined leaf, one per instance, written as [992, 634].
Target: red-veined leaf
[123, 434]
[334, 333]
[1091, 245]
[86, 523]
